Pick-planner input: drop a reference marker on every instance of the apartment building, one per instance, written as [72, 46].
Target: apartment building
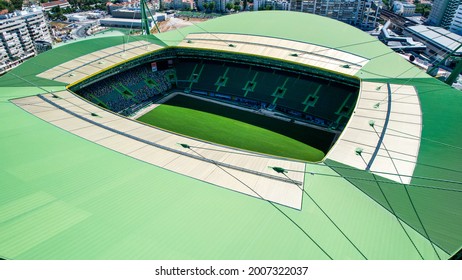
[456, 24]
[360, 13]
[18, 32]
[443, 12]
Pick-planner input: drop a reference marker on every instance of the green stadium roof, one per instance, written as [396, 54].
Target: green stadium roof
[63, 197]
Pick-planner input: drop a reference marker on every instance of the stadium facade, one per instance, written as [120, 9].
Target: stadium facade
[83, 183]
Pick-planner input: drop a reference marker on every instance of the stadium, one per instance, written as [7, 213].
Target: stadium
[265, 135]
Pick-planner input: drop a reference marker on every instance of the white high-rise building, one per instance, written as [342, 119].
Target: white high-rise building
[18, 32]
[456, 24]
[361, 13]
[403, 9]
[278, 4]
[37, 26]
[257, 3]
[443, 12]
[220, 5]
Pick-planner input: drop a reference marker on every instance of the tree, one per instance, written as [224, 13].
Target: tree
[423, 9]
[386, 3]
[212, 6]
[56, 10]
[229, 6]
[6, 6]
[56, 14]
[68, 10]
[266, 8]
[17, 4]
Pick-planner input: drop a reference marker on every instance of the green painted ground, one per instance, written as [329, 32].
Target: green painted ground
[73, 199]
[63, 197]
[235, 128]
[433, 206]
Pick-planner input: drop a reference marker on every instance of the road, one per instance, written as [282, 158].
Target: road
[81, 31]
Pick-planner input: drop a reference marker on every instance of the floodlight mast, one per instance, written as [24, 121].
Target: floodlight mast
[433, 70]
[454, 74]
[144, 18]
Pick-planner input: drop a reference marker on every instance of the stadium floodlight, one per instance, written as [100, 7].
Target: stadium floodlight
[278, 169]
[371, 123]
[186, 146]
[54, 95]
[358, 151]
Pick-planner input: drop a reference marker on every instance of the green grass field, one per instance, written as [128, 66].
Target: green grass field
[235, 128]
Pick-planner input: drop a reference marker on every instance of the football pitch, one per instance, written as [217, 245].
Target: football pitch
[232, 127]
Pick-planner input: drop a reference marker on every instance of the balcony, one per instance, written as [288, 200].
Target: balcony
[7, 37]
